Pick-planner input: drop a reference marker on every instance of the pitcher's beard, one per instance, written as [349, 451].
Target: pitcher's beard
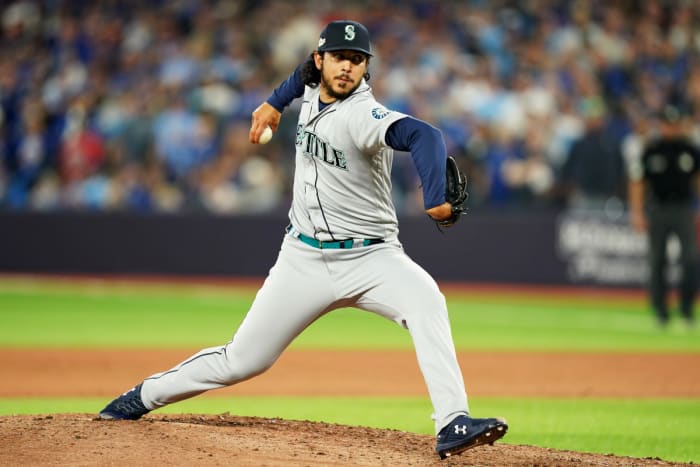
[340, 95]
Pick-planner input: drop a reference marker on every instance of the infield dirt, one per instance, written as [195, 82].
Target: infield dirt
[80, 440]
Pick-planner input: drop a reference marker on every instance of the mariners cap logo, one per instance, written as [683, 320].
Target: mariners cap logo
[349, 32]
[344, 35]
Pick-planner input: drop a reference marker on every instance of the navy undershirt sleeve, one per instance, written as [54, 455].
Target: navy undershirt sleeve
[289, 90]
[427, 148]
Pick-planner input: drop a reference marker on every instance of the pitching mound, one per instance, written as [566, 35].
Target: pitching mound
[80, 439]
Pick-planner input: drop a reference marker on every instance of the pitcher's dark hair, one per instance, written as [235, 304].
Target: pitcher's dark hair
[309, 73]
[312, 75]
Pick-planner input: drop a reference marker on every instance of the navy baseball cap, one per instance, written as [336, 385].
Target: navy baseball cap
[344, 35]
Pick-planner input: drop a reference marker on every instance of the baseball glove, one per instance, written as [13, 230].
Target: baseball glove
[455, 192]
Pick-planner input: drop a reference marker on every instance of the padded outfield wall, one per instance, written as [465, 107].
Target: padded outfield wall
[542, 247]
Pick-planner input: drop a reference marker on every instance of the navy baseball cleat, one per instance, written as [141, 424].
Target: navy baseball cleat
[128, 406]
[465, 433]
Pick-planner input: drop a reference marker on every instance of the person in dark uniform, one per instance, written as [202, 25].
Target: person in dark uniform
[663, 185]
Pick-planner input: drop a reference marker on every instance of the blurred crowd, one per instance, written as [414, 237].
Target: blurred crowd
[145, 106]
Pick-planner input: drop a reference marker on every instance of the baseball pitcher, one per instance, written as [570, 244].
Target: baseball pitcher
[341, 247]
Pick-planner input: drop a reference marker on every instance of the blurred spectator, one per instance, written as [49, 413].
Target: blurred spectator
[239, 181]
[157, 85]
[593, 174]
[183, 140]
[82, 150]
[30, 155]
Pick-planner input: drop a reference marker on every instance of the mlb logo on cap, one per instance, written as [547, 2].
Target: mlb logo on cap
[344, 35]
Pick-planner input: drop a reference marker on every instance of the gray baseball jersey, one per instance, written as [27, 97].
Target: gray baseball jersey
[342, 182]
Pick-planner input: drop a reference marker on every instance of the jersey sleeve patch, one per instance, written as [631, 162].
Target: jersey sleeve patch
[380, 112]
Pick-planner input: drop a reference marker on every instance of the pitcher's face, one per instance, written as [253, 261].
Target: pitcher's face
[341, 73]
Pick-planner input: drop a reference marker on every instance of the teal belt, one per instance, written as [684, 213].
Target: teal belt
[335, 244]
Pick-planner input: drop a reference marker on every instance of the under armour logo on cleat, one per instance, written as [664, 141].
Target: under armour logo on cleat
[461, 429]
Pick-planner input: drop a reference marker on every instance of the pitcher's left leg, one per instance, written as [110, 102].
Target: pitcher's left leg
[403, 292]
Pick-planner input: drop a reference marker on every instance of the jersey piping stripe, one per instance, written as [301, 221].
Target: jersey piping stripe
[318, 198]
[222, 351]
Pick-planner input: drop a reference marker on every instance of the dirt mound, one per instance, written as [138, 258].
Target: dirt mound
[82, 440]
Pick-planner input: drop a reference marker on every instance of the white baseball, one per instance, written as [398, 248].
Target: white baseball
[266, 135]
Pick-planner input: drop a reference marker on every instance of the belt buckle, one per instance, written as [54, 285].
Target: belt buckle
[320, 244]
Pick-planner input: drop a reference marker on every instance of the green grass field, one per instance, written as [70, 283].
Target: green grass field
[43, 313]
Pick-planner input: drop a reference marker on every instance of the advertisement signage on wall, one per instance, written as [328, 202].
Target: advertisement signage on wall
[598, 248]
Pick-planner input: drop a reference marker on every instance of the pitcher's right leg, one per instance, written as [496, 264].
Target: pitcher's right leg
[295, 293]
